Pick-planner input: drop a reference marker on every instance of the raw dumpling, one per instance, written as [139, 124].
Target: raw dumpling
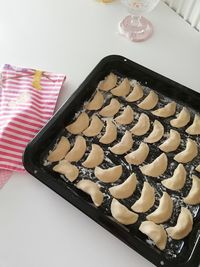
[166, 111]
[182, 119]
[109, 82]
[183, 226]
[122, 214]
[109, 175]
[164, 210]
[91, 189]
[146, 200]
[95, 157]
[124, 145]
[177, 181]
[195, 127]
[60, 151]
[79, 125]
[126, 117]
[149, 102]
[70, 171]
[126, 189]
[122, 89]
[154, 232]
[193, 198]
[94, 128]
[96, 103]
[190, 152]
[198, 168]
[136, 94]
[157, 167]
[138, 156]
[156, 134]
[111, 109]
[142, 126]
[78, 150]
[110, 134]
[171, 143]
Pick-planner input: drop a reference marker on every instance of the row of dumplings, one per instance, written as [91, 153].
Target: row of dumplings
[81, 125]
[65, 155]
[148, 103]
[155, 231]
[160, 215]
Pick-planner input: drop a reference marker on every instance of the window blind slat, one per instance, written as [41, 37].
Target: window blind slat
[189, 10]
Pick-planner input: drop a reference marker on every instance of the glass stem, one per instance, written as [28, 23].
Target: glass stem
[135, 20]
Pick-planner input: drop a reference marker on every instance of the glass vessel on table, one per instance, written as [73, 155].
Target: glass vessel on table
[135, 27]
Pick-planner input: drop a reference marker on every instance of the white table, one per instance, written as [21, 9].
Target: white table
[37, 227]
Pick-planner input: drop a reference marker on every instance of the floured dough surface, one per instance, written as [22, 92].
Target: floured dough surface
[198, 168]
[79, 125]
[78, 150]
[136, 94]
[96, 103]
[193, 197]
[189, 153]
[110, 134]
[109, 175]
[172, 142]
[183, 225]
[157, 167]
[95, 157]
[139, 155]
[126, 189]
[61, 149]
[91, 189]
[146, 200]
[95, 127]
[124, 145]
[194, 129]
[108, 83]
[156, 134]
[126, 117]
[149, 102]
[111, 109]
[177, 181]
[122, 214]
[142, 126]
[165, 111]
[122, 89]
[164, 211]
[70, 171]
[182, 118]
[154, 232]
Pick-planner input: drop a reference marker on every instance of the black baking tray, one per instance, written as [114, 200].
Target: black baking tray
[34, 156]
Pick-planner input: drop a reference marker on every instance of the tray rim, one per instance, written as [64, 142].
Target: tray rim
[75, 200]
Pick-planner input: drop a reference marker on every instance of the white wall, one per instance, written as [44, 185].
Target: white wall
[188, 9]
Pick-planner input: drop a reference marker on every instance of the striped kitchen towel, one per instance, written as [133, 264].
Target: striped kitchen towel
[27, 101]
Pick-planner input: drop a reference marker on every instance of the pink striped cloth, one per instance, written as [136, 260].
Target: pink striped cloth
[27, 101]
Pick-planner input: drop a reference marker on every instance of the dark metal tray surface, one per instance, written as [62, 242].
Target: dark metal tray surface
[177, 253]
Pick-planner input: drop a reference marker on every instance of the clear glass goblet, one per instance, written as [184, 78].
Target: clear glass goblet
[135, 27]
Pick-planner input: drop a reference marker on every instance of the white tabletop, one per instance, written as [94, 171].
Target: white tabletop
[37, 227]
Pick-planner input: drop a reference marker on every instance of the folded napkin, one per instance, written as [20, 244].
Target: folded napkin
[27, 101]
